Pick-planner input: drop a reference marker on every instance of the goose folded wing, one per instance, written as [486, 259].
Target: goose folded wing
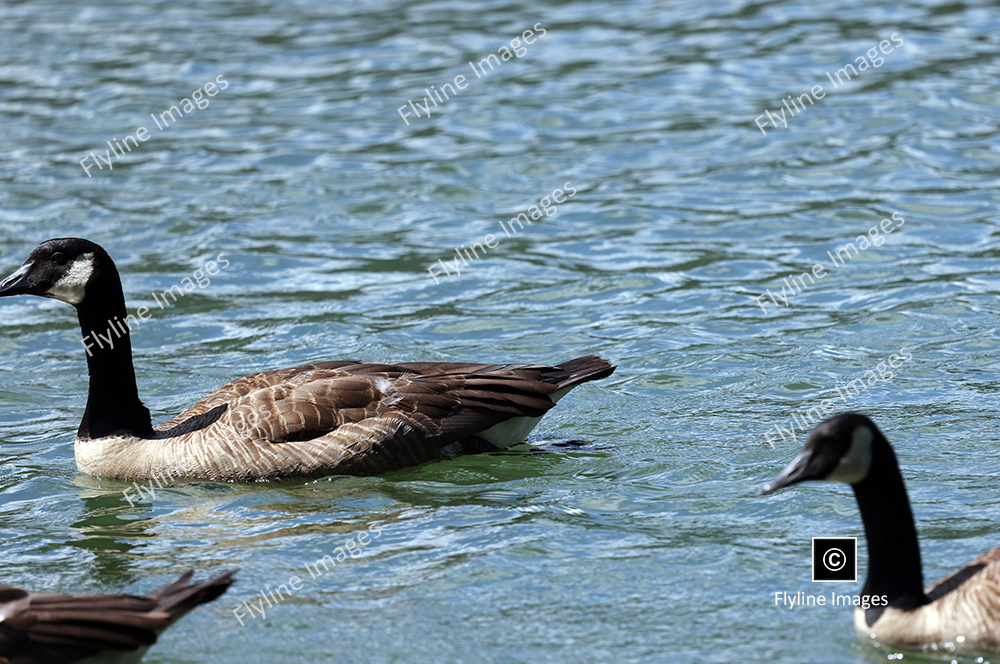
[235, 389]
[441, 409]
[523, 375]
[372, 423]
[51, 628]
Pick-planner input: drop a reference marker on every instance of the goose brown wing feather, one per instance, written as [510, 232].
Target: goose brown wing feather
[241, 387]
[49, 628]
[441, 409]
[380, 444]
[174, 586]
[178, 598]
[549, 378]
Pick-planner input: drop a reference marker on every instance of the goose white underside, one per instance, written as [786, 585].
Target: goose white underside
[93, 456]
[926, 628]
[511, 432]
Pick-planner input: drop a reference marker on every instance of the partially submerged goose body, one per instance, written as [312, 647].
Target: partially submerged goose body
[320, 419]
[962, 611]
[49, 628]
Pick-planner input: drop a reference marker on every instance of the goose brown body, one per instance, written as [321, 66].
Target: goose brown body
[339, 418]
[320, 419]
[51, 628]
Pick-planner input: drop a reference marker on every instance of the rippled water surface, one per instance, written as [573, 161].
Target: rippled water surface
[647, 540]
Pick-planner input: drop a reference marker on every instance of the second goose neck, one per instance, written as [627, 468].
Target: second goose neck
[893, 549]
[113, 404]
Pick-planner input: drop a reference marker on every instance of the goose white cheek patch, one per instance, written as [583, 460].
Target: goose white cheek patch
[854, 465]
[71, 288]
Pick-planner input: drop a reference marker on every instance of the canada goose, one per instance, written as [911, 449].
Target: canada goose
[320, 419]
[963, 609]
[48, 628]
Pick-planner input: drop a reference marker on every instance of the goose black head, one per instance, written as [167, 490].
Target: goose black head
[62, 269]
[837, 450]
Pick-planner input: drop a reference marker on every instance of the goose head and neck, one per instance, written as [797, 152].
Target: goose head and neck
[82, 274]
[850, 448]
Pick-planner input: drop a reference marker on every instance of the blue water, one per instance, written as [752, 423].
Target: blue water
[645, 542]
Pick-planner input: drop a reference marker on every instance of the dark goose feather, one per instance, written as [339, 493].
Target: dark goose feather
[49, 628]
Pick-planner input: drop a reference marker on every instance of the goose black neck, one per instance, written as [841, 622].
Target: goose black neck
[113, 405]
[893, 550]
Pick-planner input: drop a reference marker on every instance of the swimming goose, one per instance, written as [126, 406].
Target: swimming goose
[48, 628]
[963, 609]
[319, 419]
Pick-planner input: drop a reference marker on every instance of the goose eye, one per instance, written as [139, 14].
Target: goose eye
[59, 258]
